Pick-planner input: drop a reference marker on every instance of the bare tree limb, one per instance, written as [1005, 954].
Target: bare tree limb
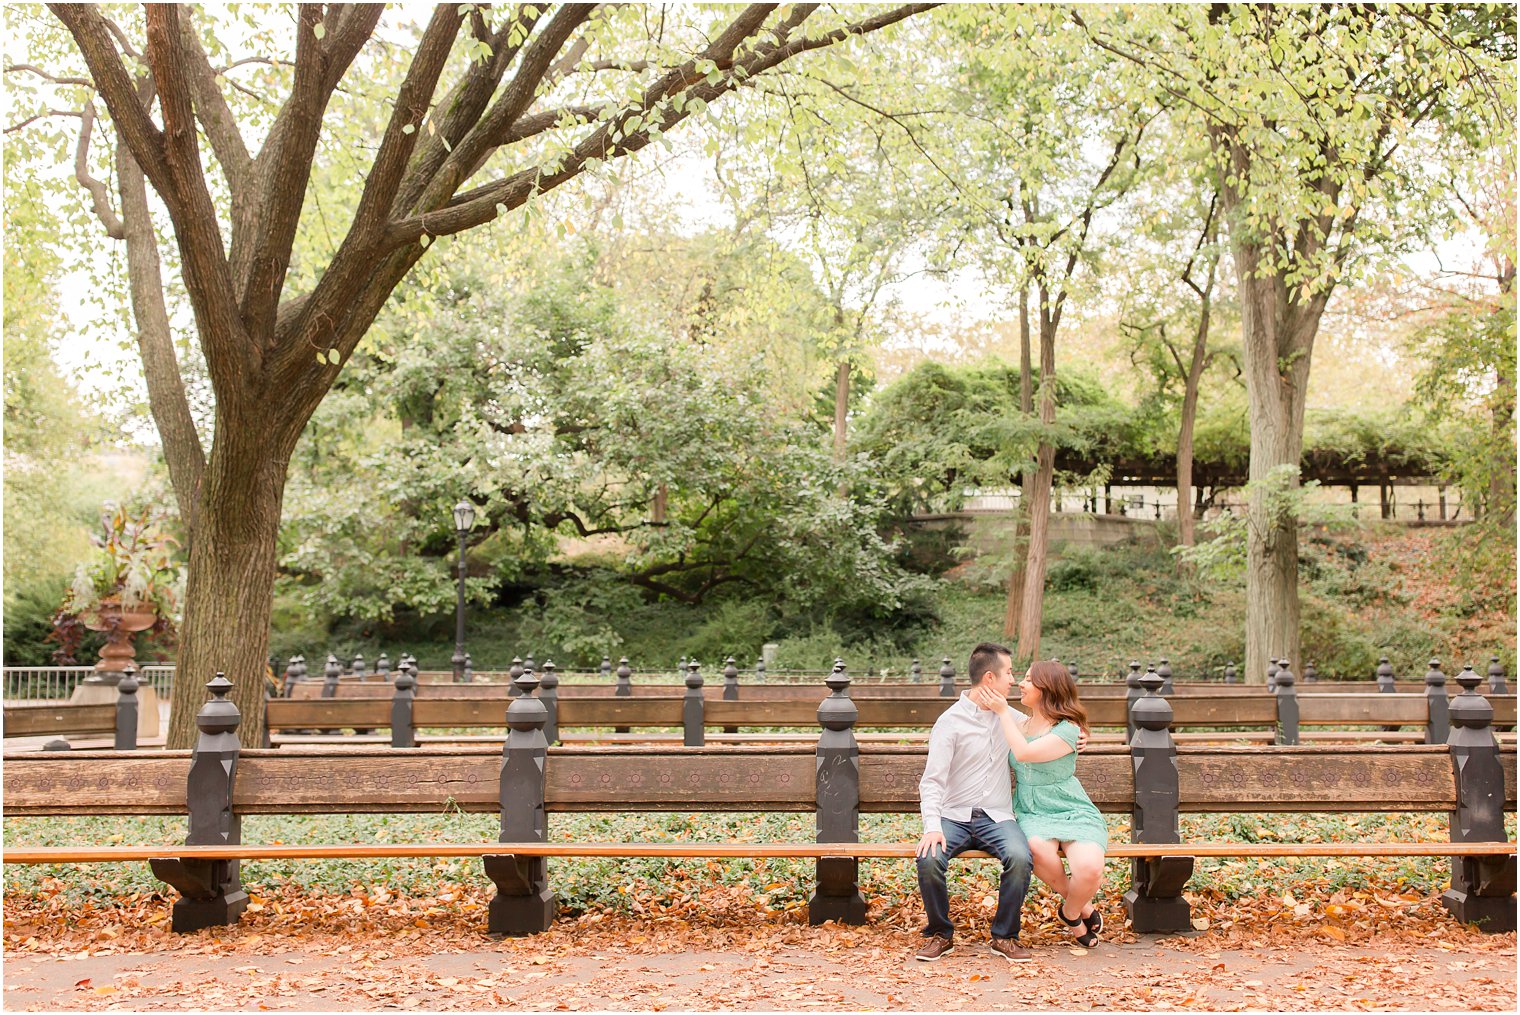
[215, 115]
[130, 116]
[284, 164]
[202, 257]
[22, 125]
[355, 256]
[16, 68]
[485, 135]
[100, 200]
[464, 104]
[155, 344]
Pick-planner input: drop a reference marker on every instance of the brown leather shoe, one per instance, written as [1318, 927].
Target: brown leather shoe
[1010, 949]
[934, 948]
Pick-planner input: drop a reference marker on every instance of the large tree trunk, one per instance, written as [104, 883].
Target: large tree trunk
[1196, 366]
[1501, 477]
[1014, 607]
[1039, 500]
[230, 588]
[1278, 341]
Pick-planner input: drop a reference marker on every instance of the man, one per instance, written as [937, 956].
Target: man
[967, 803]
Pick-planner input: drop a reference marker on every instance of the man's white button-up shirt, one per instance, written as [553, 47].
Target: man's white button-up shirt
[967, 768]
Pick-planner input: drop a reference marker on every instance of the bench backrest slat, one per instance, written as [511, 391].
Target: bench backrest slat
[374, 780]
[1369, 709]
[378, 779]
[1413, 778]
[101, 782]
[292, 713]
[778, 779]
[58, 720]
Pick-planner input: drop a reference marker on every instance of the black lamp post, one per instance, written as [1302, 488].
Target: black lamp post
[464, 519]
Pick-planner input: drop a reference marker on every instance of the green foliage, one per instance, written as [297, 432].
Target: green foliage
[940, 430]
[30, 604]
[1276, 500]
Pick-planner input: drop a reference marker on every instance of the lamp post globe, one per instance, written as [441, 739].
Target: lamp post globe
[464, 520]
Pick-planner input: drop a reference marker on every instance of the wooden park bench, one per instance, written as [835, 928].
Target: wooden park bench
[1272, 716]
[62, 719]
[1153, 780]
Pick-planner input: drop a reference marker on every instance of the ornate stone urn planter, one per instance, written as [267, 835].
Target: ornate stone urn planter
[120, 625]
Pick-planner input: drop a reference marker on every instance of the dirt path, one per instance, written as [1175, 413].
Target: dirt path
[620, 965]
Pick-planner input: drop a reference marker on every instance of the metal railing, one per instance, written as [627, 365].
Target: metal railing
[57, 683]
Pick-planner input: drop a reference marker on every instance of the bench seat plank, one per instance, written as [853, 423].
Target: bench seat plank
[894, 850]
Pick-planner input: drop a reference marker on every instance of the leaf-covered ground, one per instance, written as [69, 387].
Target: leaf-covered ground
[1295, 934]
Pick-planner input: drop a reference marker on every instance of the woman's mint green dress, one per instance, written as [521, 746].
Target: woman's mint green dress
[1049, 801]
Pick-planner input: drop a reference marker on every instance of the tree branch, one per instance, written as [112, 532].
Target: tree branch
[203, 259]
[355, 256]
[215, 115]
[15, 68]
[465, 102]
[486, 135]
[100, 200]
[130, 116]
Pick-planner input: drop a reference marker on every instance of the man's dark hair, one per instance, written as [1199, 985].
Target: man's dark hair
[984, 659]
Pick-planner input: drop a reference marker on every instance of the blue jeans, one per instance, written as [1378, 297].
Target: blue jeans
[1004, 840]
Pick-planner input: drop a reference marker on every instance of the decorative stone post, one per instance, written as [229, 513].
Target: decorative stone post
[211, 890]
[1438, 723]
[1496, 681]
[1311, 675]
[1230, 674]
[605, 669]
[731, 686]
[291, 677]
[691, 708]
[1482, 887]
[512, 675]
[1135, 691]
[403, 733]
[383, 667]
[1072, 669]
[916, 672]
[469, 669]
[1385, 684]
[126, 710]
[548, 696]
[1154, 901]
[1287, 706]
[330, 674]
[1164, 671]
[361, 675]
[523, 903]
[947, 679]
[624, 687]
[837, 896]
[760, 670]
[1272, 668]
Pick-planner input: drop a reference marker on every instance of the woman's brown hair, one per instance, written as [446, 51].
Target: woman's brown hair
[1058, 692]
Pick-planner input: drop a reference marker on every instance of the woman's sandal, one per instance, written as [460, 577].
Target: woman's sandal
[1094, 924]
[1090, 939]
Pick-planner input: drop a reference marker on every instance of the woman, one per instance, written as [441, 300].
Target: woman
[1054, 811]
